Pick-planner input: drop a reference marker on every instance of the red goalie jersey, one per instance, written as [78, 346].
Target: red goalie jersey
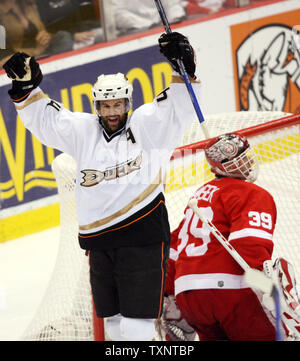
[244, 213]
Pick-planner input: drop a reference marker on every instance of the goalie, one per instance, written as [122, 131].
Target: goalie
[211, 293]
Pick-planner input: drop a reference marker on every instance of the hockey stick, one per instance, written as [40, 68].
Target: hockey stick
[265, 283]
[253, 277]
[185, 76]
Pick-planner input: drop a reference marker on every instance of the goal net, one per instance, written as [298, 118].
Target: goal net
[66, 311]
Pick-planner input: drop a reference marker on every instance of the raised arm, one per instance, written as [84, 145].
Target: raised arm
[172, 112]
[47, 119]
[26, 75]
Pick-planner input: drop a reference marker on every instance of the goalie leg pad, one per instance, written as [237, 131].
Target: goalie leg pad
[283, 276]
[172, 326]
[137, 329]
[290, 302]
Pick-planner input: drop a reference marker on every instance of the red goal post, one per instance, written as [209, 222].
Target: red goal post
[66, 312]
[255, 130]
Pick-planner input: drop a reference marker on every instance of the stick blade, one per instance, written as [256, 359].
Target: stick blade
[259, 280]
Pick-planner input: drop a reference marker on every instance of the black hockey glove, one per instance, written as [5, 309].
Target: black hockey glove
[25, 74]
[176, 46]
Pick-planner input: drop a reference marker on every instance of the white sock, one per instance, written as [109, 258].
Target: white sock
[112, 327]
[137, 329]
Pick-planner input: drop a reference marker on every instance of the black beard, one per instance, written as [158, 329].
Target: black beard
[107, 128]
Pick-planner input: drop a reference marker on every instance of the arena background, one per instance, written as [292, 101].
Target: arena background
[234, 50]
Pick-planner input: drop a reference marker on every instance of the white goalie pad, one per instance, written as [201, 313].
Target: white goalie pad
[283, 276]
[171, 326]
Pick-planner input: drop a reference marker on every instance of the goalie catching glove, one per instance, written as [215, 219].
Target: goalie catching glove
[175, 46]
[172, 326]
[25, 74]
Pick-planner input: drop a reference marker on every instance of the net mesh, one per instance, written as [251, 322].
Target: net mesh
[66, 311]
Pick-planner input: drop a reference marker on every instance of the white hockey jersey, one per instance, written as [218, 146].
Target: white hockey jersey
[116, 176]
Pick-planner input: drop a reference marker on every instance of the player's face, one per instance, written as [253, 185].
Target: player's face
[243, 166]
[113, 114]
[240, 168]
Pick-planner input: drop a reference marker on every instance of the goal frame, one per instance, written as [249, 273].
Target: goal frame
[249, 132]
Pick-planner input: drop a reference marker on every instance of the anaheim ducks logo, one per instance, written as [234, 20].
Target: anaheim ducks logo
[268, 67]
[91, 177]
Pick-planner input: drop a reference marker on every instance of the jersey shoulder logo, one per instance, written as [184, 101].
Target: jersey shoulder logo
[162, 95]
[206, 192]
[54, 104]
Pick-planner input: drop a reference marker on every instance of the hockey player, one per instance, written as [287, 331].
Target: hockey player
[121, 161]
[211, 293]
[207, 282]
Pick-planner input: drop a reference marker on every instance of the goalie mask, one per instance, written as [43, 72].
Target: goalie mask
[230, 155]
[112, 87]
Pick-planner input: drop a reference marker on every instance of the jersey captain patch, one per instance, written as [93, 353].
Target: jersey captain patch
[91, 177]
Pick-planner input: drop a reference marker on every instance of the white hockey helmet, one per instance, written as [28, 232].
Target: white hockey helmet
[230, 155]
[112, 86]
